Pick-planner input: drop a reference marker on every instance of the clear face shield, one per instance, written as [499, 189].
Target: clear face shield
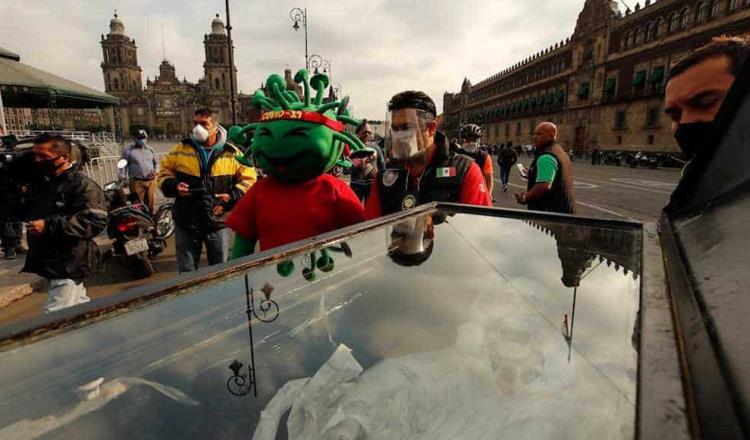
[407, 135]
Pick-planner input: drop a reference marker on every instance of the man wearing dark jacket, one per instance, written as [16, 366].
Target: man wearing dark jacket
[550, 178]
[65, 211]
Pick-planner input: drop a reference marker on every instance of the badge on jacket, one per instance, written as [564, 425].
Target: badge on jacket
[409, 202]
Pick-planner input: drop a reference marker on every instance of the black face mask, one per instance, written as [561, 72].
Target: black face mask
[47, 167]
[693, 136]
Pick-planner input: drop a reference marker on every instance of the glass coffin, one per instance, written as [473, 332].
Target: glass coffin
[430, 326]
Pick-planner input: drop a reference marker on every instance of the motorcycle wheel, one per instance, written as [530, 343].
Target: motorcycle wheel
[164, 221]
[141, 267]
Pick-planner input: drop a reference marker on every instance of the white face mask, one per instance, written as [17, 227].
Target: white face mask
[200, 134]
[471, 147]
[405, 144]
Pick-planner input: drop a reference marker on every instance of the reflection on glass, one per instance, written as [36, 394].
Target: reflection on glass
[435, 328]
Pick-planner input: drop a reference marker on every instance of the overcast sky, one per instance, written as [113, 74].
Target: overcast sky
[377, 47]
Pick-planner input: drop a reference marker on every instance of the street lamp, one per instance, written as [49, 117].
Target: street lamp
[317, 62]
[232, 73]
[300, 16]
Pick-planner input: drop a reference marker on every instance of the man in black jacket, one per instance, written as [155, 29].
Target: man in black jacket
[65, 211]
[506, 159]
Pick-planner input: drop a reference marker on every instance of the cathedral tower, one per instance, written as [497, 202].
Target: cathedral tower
[122, 74]
[216, 68]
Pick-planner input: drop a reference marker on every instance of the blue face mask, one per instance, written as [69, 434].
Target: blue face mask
[140, 142]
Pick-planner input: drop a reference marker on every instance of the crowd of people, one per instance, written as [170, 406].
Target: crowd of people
[282, 190]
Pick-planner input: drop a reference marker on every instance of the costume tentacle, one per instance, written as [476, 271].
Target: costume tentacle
[242, 247]
[319, 82]
[302, 76]
[325, 107]
[348, 138]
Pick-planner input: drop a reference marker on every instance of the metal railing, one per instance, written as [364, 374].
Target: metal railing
[80, 136]
[103, 170]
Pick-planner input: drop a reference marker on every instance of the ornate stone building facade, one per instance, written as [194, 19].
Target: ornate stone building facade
[166, 104]
[603, 86]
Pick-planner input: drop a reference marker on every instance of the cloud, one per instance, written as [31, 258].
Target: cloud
[377, 48]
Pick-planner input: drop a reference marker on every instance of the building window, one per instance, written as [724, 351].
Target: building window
[674, 21]
[217, 84]
[652, 117]
[660, 26]
[518, 128]
[733, 4]
[620, 120]
[610, 87]
[639, 80]
[650, 139]
[583, 91]
[619, 140]
[638, 36]
[649, 32]
[116, 84]
[714, 9]
[700, 14]
[685, 20]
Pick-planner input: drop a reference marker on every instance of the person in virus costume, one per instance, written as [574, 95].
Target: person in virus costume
[296, 143]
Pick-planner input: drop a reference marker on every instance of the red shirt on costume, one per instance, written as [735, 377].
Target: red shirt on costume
[278, 213]
[473, 192]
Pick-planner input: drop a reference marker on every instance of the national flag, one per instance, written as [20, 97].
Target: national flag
[446, 172]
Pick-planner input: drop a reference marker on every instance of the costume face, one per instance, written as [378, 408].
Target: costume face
[296, 151]
[298, 138]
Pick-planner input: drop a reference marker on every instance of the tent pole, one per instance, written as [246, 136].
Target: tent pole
[3, 127]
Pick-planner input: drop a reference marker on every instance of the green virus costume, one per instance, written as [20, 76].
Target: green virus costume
[297, 141]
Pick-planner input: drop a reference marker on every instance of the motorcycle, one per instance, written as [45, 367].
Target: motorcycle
[137, 235]
[613, 158]
[643, 159]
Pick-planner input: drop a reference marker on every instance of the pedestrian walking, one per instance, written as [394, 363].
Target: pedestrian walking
[141, 169]
[506, 159]
[65, 211]
[207, 181]
[550, 177]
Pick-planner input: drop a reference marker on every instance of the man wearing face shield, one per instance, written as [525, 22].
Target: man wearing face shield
[207, 181]
[697, 86]
[470, 146]
[421, 168]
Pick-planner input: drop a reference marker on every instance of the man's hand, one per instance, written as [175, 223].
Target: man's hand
[521, 198]
[36, 227]
[183, 190]
[218, 210]
[222, 198]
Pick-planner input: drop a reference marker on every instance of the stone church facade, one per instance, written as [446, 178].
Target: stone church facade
[603, 86]
[166, 104]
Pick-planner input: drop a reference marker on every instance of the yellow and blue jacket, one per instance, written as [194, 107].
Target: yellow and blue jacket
[207, 172]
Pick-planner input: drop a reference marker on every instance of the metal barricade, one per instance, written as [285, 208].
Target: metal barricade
[103, 170]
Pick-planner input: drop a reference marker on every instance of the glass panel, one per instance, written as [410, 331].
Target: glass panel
[435, 328]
